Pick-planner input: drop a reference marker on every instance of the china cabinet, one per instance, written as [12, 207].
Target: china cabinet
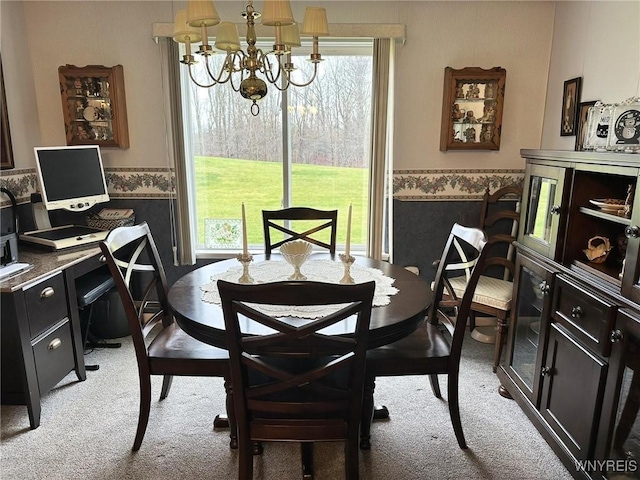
[574, 334]
[472, 108]
[94, 105]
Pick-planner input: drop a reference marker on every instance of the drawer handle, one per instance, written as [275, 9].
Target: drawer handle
[576, 312]
[103, 259]
[545, 288]
[47, 292]
[55, 343]
[555, 210]
[632, 231]
[545, 371]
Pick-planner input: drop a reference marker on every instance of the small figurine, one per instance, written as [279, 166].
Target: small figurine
[82, 133]
[470, 135]
[489, 114]
[488, 91]
[459, 92]
[79, 109]
[474, 91]
[457, 112]
[77, 84]
[470, 118]
[486, 133]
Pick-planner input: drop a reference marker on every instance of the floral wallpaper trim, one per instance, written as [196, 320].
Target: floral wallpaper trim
[438, 185]
[121, 183]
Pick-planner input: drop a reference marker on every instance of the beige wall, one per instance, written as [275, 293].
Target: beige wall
[600, 42]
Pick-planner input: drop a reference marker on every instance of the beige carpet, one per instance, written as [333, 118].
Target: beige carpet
[87, 430]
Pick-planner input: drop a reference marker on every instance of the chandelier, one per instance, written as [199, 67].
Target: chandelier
[240, 68]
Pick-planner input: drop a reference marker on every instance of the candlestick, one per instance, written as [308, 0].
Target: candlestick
[245, 248]
[245, 260]
[347, 261]
[348, 247]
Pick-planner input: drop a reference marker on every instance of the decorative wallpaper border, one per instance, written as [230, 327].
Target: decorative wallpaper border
[439, 185]
[411, 185]
[121, 183]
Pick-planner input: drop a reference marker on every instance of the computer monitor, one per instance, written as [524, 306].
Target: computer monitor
[71, 178]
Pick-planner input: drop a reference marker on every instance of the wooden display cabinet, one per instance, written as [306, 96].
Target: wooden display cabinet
[94, 105]
[472, 108]
[572, 350]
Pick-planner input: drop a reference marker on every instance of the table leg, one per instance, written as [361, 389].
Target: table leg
[306, 452]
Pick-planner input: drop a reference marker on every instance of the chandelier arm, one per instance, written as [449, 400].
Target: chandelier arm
[201, 85]
[267, 70]
[217, 78]
[315, 72]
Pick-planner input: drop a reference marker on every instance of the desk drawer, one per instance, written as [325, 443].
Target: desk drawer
[53, 354]
[588, 316]
[46, 304]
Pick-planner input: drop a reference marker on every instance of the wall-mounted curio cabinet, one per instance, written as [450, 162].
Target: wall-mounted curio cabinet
[472, 108]
[94, 105]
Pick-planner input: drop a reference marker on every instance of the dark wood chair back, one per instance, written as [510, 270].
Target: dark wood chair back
[501, 225]
[461, 257]
[297, 383]
[320, 221]
[161, 347]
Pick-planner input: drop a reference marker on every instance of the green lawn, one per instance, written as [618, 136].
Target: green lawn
[222, 185]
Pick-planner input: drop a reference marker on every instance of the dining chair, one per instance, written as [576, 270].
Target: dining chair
[161, 347]
[297, 382]
[320, 221]
[435, 347]
[493, 294]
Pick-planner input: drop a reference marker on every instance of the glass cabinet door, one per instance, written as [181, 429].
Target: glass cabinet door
[543, 191]
[619, 441]
[528, 329]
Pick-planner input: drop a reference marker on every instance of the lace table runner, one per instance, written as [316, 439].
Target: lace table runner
[328, 271]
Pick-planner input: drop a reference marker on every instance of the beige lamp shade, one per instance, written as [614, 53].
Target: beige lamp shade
[201, 12]
[181, 30]
[290, 35]
[315, 22]
[277, 12]
[227, 37]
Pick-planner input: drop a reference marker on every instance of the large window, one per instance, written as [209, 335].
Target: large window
[308, 146]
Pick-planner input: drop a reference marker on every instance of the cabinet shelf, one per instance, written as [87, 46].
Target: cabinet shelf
[605, 216]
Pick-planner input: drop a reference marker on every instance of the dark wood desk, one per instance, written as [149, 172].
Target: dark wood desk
[389, 323]
[40, 325]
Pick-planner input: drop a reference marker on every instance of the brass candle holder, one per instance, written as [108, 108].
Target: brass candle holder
[245, 260]
[347, 261]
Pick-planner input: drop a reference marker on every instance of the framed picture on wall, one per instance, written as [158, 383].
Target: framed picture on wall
[570, 99]
[5, 133]
[581, 130]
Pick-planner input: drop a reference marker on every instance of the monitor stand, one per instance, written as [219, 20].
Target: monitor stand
[57, 238]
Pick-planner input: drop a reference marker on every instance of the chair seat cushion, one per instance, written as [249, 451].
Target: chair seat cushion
[415, 354]
[492, 292]
[173, 343]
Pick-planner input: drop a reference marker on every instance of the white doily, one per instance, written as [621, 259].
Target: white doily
[327, 271]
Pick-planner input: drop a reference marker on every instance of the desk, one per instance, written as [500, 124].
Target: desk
[40, 325]
[389, 323]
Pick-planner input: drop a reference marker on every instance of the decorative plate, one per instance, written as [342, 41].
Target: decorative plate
[90, 114]
[608, 204]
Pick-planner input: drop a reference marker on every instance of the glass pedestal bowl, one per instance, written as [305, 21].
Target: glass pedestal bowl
[296, 253]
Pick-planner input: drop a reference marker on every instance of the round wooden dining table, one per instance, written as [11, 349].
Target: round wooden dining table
[389, 323]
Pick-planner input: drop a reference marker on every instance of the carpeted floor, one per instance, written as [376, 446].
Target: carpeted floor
[87, 430]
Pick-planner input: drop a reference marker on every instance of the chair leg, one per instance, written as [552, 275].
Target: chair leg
[454, 409]
[367, 413]
[166, 386]
[245, 459]
[145, 407]
[306, 454]
[351, 459]
[501, 327]
[435, 385]
[231, 416]
[472, 321]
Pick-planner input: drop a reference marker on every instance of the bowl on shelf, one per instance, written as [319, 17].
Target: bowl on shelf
[296, 253]
[598, 249]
